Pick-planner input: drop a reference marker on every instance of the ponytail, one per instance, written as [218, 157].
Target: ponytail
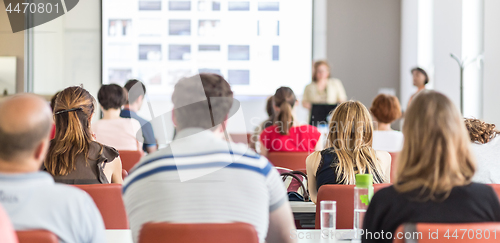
[73, 108]
[285, 100]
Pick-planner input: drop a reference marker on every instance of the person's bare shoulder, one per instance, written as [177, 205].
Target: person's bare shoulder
[383, 156]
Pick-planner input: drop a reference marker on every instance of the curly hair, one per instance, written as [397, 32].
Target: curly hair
[480, 131]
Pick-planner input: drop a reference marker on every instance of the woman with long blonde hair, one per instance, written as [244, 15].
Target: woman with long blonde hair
[74, 157]
[434, 172]
[349, 151]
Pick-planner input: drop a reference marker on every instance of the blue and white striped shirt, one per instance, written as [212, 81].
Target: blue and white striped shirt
[200, 178]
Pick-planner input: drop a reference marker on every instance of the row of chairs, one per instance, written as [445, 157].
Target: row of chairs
[167, 233]
[344, 196]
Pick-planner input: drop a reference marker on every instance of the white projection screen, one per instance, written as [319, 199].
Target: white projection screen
[257, 45]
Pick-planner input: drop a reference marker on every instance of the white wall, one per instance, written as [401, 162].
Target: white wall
[491, 85]
[67, 51]
[364, 46]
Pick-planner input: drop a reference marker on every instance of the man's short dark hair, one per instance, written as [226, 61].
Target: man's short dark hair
[111, 96]
[422, 71]
[14, 144]
[133, 96]
[205, 108]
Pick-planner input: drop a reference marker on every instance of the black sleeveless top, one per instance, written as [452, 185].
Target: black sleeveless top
[327, 170]
[92, 170]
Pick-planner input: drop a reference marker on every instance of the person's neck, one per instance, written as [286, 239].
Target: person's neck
[131, 107]
[16, 167]
[111, 114]
[322, 81]
[420, 88]
[384, 127]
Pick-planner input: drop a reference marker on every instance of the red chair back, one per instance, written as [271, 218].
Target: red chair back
[194, 233]
[38, 236]
[377, 187]
[7, 233]
[394, 164]
[289, 160]
[344, 196]
[129, 158]
[108, 199]
[431, 232]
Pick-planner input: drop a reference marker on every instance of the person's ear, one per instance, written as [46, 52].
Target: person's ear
[41, 150]
[276, 109]
[173, 118]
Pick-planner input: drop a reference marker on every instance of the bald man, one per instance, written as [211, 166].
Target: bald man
[30, 197]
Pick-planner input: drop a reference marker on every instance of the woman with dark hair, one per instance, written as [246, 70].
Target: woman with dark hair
[420, 79]
[385, 110]
[434, 172]
[74, 157]
[324, 89]
[113, 130]
[286, 134]
[486, 148]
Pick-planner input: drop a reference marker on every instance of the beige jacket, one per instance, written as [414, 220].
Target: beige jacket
[334, 89]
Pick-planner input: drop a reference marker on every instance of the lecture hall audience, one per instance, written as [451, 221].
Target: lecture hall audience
[205, 174]
[136, 92]
[433, 181]
[29, 196]
[349, 151]
[288, 134]
[74, 156]
[385, 110]
[486, 148]
[113, 130]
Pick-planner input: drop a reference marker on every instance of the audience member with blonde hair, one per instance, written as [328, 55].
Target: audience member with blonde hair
[324, 89]
[287, 134]
[349, 151]
[486, 148]
[435, 168]
[74, 156]
[385, 110]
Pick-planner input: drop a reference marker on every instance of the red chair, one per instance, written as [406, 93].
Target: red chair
[108, 199]
[394, 163]
[377, 187]
[289, 160]
[38, 236]
[7, 233]
[436, 232]
[198, 233]
[130, 158]
[344, 196]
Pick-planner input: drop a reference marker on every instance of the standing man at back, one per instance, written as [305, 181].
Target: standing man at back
[30, 197]
[202, 178]
[136, 92]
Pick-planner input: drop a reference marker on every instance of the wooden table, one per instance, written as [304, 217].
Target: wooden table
[302, 236]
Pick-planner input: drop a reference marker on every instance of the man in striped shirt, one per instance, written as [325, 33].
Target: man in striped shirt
[202, 178]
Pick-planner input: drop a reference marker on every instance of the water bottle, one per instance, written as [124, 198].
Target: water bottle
[363, 193]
